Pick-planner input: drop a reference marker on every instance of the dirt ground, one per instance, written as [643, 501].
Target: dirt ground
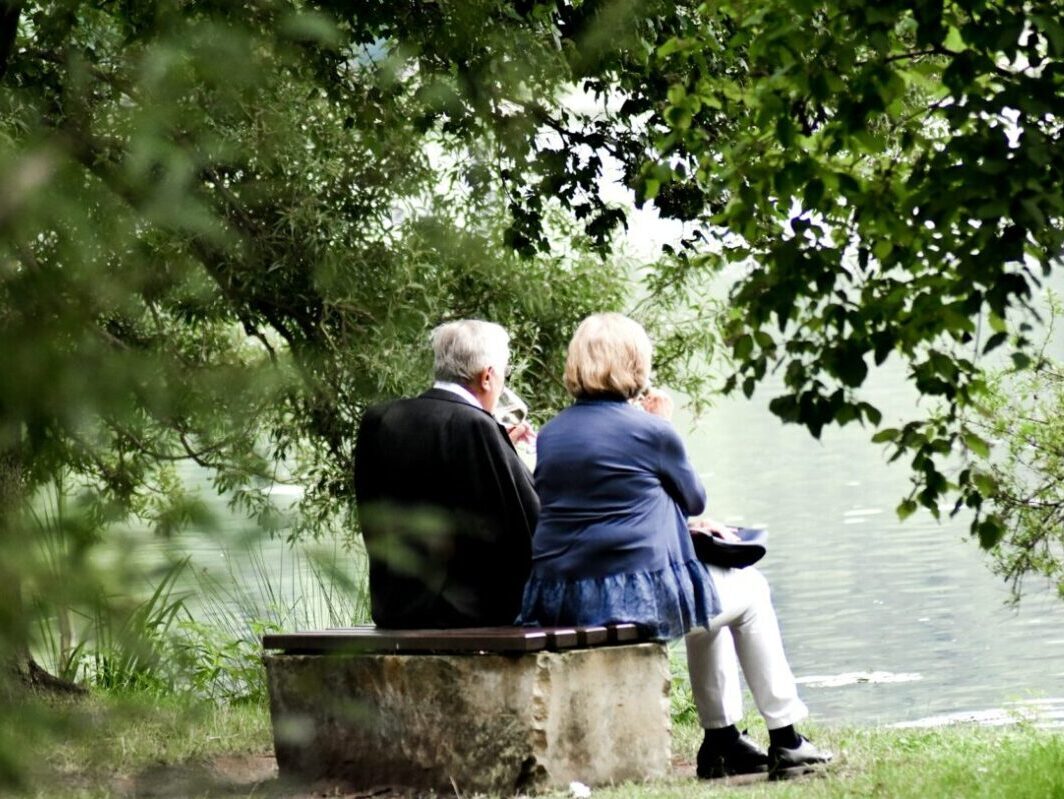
[231, 776]
[234, 776]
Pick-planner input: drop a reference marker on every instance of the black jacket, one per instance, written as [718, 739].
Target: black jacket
[447, 511]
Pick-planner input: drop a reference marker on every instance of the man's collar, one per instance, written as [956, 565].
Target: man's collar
[460, 390]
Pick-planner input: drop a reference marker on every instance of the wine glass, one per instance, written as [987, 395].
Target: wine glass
[510, 410]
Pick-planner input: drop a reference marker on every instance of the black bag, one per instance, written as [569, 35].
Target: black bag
[731, 554]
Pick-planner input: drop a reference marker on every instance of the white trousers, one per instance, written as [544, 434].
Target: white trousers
[745, 632]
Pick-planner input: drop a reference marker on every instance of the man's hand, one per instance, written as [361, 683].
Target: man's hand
[714, 528]
[522, 432]
[657, 402]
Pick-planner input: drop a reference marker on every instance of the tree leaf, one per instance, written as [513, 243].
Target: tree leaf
[977, 445]
[884, 435]
[906, 509]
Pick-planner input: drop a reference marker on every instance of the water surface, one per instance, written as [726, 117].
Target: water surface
[884, 621]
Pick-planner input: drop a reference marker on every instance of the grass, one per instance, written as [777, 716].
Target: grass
[957, 761]
[105, 745]
[116, 747]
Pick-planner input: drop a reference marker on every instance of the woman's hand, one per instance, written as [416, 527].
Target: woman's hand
[657, 402]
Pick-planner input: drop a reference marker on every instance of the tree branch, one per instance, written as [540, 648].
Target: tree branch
[903, 56]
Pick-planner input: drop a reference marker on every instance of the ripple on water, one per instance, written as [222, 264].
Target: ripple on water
[856, 677]
[1042, 713]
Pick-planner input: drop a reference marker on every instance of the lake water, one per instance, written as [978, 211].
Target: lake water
[884, 621]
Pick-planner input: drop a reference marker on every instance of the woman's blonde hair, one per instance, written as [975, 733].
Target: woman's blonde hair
[609, 355]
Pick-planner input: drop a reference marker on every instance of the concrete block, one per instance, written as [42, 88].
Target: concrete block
[483, 723]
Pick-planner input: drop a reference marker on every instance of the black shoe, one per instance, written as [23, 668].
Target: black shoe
[802, 759]
[742, 756]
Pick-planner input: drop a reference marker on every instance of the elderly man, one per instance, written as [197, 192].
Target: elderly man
[446, 505]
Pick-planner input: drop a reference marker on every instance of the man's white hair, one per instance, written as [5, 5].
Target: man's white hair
[463, 349]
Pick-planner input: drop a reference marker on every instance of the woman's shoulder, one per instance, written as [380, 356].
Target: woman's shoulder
[592, 418]
[583, 412]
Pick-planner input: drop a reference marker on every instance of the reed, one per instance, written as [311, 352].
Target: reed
[87, 625]
[263, 589]
[180, 627]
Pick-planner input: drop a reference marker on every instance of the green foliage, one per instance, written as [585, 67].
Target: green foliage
[219, 667]
[226, 229]
[246, 221]
[126, 652]
[232, 237]
[88, 624]
[120, 643]
[217, 648]
[888, 175]
[1024, 480]
[681, 699]
[116, 628]
[199, 632]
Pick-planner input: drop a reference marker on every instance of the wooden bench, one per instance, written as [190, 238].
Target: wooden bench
[490, 710]
[369, 639]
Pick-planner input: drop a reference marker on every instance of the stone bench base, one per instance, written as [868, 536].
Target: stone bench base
[487, 723]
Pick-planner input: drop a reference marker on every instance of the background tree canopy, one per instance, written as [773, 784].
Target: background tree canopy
[226, 229]
[230, 234]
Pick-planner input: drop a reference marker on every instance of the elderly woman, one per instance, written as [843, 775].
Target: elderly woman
[612, 544]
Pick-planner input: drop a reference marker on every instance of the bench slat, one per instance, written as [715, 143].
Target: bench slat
[624, 633]
[370, 639]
